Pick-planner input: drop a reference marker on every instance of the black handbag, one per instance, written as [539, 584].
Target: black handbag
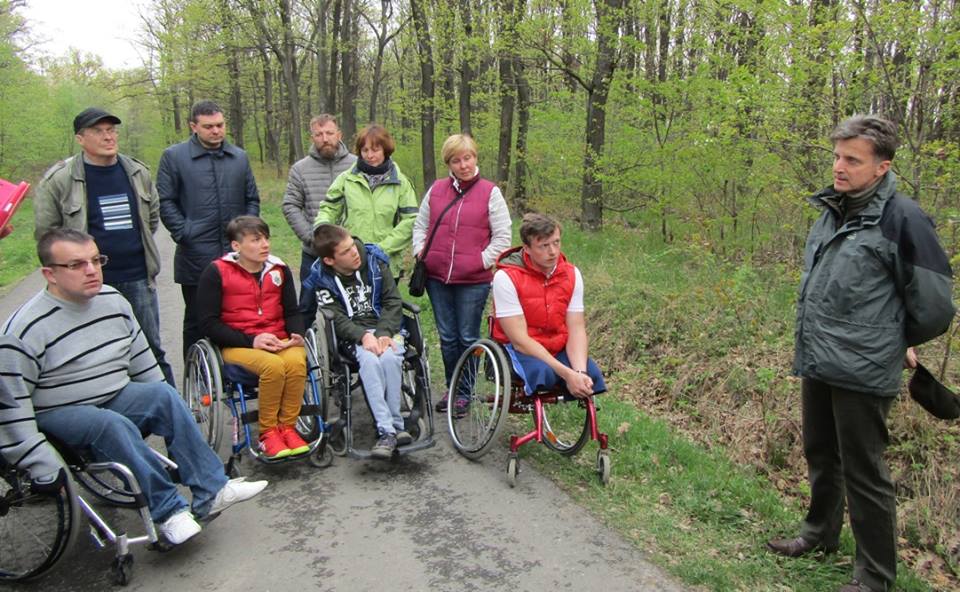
[418, 277]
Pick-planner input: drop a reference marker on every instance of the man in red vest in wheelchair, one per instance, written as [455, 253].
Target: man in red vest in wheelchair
[538, 313]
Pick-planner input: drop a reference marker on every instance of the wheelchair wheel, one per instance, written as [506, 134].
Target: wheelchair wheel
[107, 486]
[415, 399]
[479, 398]
[315, 392]
[566, 427]
[203, 389]
[35, 528]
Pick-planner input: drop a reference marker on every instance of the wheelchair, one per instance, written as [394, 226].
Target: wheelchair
[37, 528]
[340, 377]
[562, 422]
[208, 382]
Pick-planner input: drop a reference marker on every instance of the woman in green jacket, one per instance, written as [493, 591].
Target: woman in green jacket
[373, 199]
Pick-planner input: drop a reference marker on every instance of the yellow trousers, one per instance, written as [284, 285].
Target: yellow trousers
[282, 378]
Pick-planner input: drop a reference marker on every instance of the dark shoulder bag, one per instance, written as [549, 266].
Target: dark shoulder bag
[418, 277]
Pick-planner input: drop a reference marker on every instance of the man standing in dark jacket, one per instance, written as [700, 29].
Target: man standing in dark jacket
[203, 184]
[875, 283]
[307, 185]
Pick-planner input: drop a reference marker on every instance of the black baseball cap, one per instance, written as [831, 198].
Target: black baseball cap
[90, 116]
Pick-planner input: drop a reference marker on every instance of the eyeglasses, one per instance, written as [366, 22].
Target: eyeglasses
[101, 132]
[98, 261]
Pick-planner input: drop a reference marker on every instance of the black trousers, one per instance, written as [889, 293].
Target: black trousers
[191, 322]
[844, 440]
[308, 300]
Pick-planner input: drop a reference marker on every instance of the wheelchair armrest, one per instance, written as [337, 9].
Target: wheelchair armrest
[411, 307]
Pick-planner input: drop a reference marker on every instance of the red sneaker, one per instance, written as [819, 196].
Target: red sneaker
[273, 444]
[293, 440]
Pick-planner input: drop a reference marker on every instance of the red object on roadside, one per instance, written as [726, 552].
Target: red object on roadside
[10, 197]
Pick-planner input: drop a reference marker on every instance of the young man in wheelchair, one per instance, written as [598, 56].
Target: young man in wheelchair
[78, 364]
[354, 282]
[538, 313]
[247, 305]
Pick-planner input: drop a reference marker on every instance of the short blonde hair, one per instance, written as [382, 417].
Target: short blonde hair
[456, 144]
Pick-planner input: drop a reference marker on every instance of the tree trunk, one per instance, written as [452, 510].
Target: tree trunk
[291, 75]
[466, 70]
[348, 121]
[427, 91]
[507, 10]
[608, 24]
[236, 101]
[270, 136]
[323, 57]
[334, 72]
[523, 126]
[177, 121]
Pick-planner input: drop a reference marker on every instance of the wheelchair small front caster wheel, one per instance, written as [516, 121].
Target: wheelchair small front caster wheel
[603, 466]
[122, 569]
[513, 467]
[322, 457]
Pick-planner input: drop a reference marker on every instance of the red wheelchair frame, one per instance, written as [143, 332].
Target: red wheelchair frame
[484, 390]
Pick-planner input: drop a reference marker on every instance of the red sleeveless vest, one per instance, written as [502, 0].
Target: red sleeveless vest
[247, 306]
[544, 300]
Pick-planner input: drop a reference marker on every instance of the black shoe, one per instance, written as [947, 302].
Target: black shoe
[797, 547]
[441, 405]
[404, 438]
[384, 447]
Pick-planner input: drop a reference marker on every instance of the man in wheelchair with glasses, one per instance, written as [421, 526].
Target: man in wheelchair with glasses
[79, 367]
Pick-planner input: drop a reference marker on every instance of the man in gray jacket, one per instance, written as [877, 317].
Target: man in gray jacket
[109, 195]
[307, 185]
[203, 183]
[875, 283]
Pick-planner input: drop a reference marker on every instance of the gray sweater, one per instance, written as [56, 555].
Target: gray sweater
[307, 186]
[55, 353]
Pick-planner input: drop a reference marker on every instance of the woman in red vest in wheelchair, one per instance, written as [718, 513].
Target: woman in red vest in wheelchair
[538, 313]
[248, 307]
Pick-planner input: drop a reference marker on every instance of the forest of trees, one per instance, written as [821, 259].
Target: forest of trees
[702, 120]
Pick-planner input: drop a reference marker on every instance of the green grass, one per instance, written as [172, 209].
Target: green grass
[699, 515]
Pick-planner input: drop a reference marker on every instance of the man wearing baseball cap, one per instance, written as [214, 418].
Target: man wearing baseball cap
[111, 197]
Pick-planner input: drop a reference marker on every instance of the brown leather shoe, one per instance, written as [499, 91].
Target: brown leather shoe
[856, 586]
[796, 547]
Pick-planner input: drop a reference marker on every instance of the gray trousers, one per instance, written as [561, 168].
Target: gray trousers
[844, 439]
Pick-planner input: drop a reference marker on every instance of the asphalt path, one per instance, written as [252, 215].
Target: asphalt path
[430, 521]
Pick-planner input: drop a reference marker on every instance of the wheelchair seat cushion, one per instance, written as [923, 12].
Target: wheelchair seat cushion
[239, 375]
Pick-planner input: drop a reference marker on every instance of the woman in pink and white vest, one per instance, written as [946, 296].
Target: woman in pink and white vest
[469, 238]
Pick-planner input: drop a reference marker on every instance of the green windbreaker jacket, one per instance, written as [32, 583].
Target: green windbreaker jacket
[870, 288]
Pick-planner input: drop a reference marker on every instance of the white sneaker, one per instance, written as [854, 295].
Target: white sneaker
[236, 490]
[179, 528]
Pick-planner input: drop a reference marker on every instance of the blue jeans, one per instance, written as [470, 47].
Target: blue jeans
[113, 431]
[538, 376]
[381, 377]
[458, 310]
[146, 307]
[308, 299]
